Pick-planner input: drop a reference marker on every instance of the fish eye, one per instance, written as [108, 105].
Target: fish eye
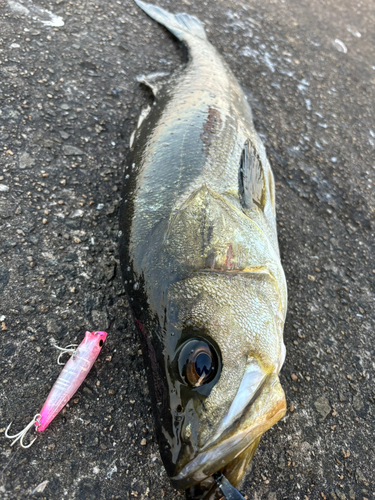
[198, 362]
[101, 343]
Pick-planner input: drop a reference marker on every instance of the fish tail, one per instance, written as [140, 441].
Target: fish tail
[181, 25]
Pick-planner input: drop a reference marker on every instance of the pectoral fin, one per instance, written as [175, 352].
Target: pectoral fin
[251, 181]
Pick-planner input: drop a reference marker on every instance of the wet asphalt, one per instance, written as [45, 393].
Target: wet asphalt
[69, 101]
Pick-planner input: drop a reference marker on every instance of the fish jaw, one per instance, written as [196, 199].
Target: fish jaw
[233, 450]
[234, 472]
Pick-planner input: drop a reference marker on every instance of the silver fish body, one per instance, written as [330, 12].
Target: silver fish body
[201, 267]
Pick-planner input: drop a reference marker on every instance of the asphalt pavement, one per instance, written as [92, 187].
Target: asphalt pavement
[69, 101]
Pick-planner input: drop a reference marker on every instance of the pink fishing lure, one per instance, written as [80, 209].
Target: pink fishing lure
[67, 384]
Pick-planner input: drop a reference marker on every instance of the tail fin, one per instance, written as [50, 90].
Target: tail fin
[181, 25]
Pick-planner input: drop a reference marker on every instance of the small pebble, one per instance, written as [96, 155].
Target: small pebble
[322, 406]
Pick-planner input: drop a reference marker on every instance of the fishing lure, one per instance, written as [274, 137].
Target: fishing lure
[67, 384]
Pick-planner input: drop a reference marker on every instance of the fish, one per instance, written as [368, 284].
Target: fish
[201, 266]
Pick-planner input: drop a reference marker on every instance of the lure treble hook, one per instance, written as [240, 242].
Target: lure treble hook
[69, 349]
[22, 434]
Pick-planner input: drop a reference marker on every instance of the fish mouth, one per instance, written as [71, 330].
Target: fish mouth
[234, 471]
[231, 449]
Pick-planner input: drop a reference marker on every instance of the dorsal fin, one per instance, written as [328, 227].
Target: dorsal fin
[251, 182]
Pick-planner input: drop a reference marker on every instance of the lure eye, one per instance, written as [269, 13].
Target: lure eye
[198, 363]
[101, 343]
